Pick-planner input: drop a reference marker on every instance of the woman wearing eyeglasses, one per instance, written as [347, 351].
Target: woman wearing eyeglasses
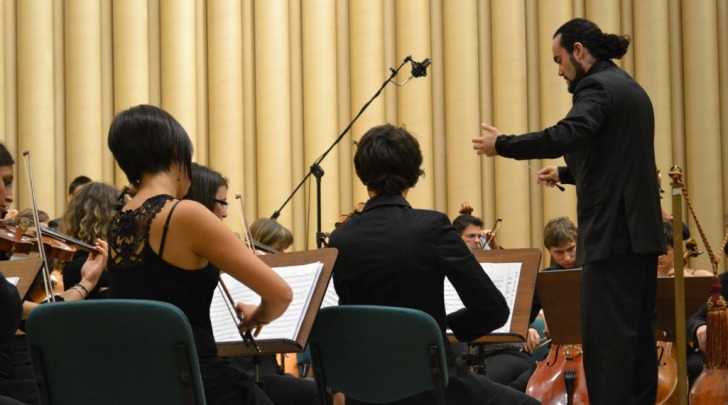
[281, 389]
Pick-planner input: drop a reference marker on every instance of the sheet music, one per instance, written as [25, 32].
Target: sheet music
[13, 280]
[302, 280]
[505, 276]
[331, 299]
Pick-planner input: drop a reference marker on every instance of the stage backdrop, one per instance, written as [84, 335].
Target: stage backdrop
[265, 87]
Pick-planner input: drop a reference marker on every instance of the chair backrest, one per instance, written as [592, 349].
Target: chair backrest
[113, 352]
[539, 354]
[377, 354]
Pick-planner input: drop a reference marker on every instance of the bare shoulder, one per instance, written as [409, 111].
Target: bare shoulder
[191, 216]
[698, 273]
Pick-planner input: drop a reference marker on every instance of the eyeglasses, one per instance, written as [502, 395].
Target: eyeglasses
[223, 204]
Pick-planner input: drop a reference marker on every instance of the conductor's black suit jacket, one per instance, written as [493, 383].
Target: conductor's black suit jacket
[607, 140]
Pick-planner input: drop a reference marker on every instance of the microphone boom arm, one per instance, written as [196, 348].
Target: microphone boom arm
[316, 169]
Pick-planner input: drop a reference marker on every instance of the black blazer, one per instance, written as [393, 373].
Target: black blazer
[607, 140]
[394, 255]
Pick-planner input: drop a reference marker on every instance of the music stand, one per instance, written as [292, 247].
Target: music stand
[326, 256]
[697, 291]
[560, 294]
[520, 313]
[529, 259]
[23, 269]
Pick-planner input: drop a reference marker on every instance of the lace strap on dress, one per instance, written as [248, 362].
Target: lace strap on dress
[166, 227]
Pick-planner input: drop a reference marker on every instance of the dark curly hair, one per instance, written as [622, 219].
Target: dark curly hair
[388, 160]
[599, 44]
[90, 212]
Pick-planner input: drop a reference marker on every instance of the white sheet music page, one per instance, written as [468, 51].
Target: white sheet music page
[302, 280]
[505, 276]
[331, 299]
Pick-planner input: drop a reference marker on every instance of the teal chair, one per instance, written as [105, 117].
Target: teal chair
[377, 354]
[113, 352]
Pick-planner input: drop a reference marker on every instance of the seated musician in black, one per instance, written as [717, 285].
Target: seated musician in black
[394, 255]
[17, 383]
[507, 363]
[162, 248]
[86, 218]
[697, 327]
[210, 189]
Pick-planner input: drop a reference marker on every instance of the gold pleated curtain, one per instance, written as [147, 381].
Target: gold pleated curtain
[265, 87]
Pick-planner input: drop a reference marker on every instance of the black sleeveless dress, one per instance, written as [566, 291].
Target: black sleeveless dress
[137, 272]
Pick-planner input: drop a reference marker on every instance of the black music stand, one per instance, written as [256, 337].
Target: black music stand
[697, 292]
[560, 294]
[326, 256]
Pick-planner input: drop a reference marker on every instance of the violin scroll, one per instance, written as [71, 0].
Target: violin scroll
[466, 209]
[345, 217]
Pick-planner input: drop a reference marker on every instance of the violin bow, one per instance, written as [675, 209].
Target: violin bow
[228, 298]
[244, 220]
[38, 234]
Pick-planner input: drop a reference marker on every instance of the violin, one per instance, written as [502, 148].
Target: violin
[13, 239]
[345, 217]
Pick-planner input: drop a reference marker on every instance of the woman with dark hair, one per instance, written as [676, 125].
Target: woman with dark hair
[162, 248]
[87, 218]
[394, 255]
[16, 377]
[210, 186]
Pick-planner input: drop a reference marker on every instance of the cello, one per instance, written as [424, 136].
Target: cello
[711, 386]
[559, 378]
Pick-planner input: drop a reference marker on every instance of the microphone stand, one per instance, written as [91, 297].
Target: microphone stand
[316, 169]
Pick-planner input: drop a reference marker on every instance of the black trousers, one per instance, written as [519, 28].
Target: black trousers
[618, 329]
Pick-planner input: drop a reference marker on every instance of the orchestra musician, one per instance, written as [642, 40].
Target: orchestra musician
[16, 377]
[74, 187]
[271, 233]
[393, 255]
[210, 189]
[86, 218]
[607, 141]
[470, 228]
[697, 326]
[665, 262]
[507, 363]
[162, 248]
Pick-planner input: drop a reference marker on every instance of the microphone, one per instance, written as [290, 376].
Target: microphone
[419, 69]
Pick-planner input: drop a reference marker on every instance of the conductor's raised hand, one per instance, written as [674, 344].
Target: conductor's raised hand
[485, 145]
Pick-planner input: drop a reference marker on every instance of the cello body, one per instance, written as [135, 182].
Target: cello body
[710, 388]
[564, 362]
[666, 374]
[559, 378]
